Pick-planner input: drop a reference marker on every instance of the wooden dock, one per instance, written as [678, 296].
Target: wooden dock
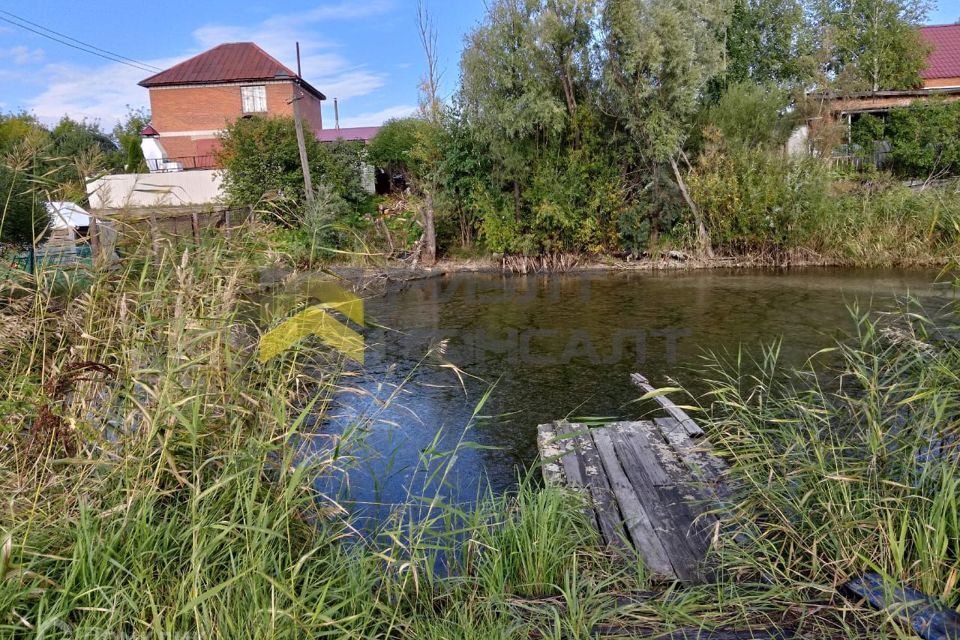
[651, 484]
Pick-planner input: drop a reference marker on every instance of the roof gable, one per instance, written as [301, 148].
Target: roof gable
[228, 62]
[944, 60]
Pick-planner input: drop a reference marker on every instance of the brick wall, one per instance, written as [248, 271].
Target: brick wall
[939, 83]
[210, 109]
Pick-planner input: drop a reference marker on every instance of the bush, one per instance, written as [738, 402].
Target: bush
[394, 147]
[756, 200]
[262, 163]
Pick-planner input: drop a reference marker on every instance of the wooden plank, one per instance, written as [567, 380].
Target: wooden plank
[681, 416]
[195, 227]
[643, 531]
[550, 455]
[695, 455]
[661, 499]
[593, 476]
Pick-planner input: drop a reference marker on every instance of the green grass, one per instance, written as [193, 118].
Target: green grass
[841, 471]
[160, 490]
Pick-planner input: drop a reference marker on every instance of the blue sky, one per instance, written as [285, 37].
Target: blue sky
[366, 52]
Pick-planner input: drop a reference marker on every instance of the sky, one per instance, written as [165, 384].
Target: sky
[365, 52]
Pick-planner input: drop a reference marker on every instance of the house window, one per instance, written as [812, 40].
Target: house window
[254, 99]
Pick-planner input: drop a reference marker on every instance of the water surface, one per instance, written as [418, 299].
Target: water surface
[564, 345]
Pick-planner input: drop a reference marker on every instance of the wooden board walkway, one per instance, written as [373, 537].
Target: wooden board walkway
[652, 485]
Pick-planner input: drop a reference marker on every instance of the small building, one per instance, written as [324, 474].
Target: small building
[349, 134]
[943, 64]
[191, 103]
[940, 80]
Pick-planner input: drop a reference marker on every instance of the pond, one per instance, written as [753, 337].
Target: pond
[564, 346]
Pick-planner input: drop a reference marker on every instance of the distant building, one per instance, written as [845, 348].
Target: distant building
[943, 65]
[940, 79]
[350, 134]
[191, 103]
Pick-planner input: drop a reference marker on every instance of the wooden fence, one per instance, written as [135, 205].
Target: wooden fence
[123, 230]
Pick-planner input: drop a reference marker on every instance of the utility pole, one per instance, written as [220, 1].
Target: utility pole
[336, 113]
[301, 142]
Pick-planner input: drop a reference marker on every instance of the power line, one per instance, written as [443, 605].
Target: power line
[80, 45]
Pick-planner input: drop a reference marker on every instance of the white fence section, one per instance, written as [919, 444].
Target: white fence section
[156, 189]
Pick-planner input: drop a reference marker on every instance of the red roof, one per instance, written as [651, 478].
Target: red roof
[229, 62]
[366, 134]
[944, 61]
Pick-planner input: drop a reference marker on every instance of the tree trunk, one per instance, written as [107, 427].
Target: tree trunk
[703, 238]
[516, 201]
[429, 230]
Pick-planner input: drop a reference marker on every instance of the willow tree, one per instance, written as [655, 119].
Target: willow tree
[659, 56]
[526, 80]
[873, 45]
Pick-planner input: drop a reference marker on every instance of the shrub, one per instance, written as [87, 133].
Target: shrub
[262, 162]
[757, 200]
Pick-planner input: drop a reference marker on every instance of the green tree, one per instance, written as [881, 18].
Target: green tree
[660, 55]
[873, 45]
[768, 42]
[261, 162]
[393, 149]
[126, 135]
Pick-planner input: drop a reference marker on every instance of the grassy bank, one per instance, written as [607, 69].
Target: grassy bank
[155, 485]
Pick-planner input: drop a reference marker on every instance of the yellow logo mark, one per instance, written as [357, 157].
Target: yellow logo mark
[317, 320]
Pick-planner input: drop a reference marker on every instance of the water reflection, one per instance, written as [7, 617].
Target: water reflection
[565, 345]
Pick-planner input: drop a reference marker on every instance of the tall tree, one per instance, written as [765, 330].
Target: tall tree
[431, 109]
[659, 56]
[768, 42]
[873, 45]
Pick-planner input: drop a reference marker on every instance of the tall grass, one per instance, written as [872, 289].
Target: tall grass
[843, 470]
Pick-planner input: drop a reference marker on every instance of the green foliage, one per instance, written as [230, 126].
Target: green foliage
[393, 149]
[660, 56]
[261, 163]
[873, 45]
[768, 42]
[22, 214]
[756, 200]
[925, 139]
[127, 136]
[751, 115]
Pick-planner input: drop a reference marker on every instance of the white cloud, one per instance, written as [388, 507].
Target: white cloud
[103, 92]
[22, 55]
[373, 119]
[322, 65]
[100, 93]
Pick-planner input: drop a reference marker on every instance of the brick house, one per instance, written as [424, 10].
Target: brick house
[940, 79]
[192, 102]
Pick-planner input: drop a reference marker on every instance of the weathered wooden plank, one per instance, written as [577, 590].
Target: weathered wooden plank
[550, 456]
[643, 532]
[691, 427]
[605, 506]
[672, 521]
[696, 455]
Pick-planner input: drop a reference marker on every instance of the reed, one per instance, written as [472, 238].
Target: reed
[848, 466]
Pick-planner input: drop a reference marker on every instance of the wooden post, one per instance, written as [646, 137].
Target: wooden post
[301, 144]
[195, 224]
[94, 240]
[154, 238]
[226, 223]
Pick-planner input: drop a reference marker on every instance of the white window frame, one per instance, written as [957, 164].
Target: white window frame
[254, 98]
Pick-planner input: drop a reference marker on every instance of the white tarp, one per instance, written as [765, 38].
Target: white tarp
[67, 215]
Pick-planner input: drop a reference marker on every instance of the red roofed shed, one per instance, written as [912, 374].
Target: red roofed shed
[943, 68]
